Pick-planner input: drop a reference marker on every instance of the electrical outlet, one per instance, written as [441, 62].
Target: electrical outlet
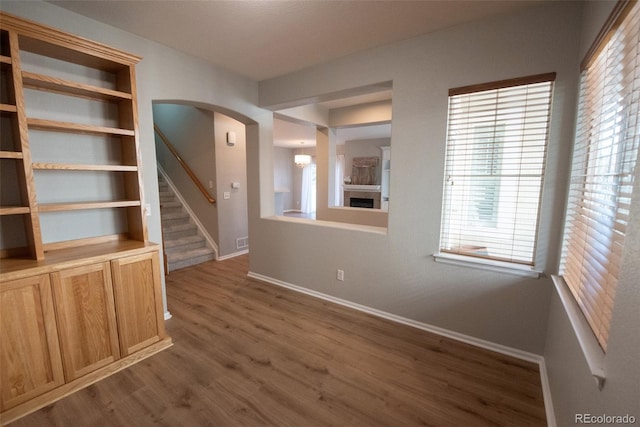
[226, 195]
[340, 275]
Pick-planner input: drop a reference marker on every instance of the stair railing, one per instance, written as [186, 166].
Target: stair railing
[184, 165]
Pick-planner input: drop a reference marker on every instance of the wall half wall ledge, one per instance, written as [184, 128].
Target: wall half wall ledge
[487, 264]
[592, 351]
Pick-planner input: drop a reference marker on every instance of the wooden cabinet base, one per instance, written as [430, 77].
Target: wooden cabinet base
[74, 318]
[48, 398]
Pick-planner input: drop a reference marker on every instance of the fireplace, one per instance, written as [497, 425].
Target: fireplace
[361, 202]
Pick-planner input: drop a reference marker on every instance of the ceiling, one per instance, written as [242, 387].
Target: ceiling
[291, 134]
[262, 39]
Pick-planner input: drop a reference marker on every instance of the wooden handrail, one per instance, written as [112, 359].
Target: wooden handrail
[185, 166]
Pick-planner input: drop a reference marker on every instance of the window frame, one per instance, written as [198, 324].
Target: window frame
[593, 337]
[481, 260]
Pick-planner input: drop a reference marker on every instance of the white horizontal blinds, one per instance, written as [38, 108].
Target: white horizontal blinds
[494, 168]
[605, 156]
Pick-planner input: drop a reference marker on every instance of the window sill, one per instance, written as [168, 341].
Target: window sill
[330, 224]
[487, 264]
[591, 349]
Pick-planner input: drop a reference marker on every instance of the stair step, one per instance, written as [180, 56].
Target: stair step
[172, 211]
[189, 258]
[186, 247]
[174, 215]
[171, 204]
[179, 221]
[186, 228]
[179, 234]
[181, 241]
[178, 227]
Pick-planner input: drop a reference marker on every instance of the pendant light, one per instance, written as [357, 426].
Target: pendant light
[302, 160]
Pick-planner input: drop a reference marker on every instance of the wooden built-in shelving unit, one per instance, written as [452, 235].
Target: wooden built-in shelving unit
[118, 88]
[85, 299]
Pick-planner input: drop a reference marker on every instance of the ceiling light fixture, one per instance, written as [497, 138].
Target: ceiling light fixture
[302, 160]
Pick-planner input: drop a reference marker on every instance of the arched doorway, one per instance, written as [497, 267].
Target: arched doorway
[202, 169]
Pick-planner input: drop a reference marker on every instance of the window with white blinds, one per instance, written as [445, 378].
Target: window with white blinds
[605, 156]
[494, 168]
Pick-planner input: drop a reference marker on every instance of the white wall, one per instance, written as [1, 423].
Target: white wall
[283, 176]
[231, 166]
[395, 272]
[572, 386]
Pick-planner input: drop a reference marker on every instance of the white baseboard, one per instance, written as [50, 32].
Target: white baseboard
[487, 345]
[546, 393]
[233, 255]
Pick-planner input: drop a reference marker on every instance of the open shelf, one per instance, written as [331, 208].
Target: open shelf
[79, 51]
[14, 210]
[59, 207]
[75, 160]
[68, 87]
[8, 108]
[54, 125]
[11, 155]
[78, 167]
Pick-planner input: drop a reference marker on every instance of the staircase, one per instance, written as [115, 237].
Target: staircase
[183, 244]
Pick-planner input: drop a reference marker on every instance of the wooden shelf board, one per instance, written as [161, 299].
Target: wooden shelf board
[59, 207]
[76, 127]
[68, 87]
[69, 257]
[14, 210]
[5, 59]
[84, 167]
[8, 108]
[11, 155]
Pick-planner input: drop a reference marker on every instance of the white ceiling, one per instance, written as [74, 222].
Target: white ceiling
[290, 134]
[261, 39]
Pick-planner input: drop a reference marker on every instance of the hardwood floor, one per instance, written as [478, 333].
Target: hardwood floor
[248, 353]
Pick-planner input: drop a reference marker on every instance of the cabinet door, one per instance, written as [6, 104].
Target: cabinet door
[30, 361]
[136, 282]
[86, 318]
